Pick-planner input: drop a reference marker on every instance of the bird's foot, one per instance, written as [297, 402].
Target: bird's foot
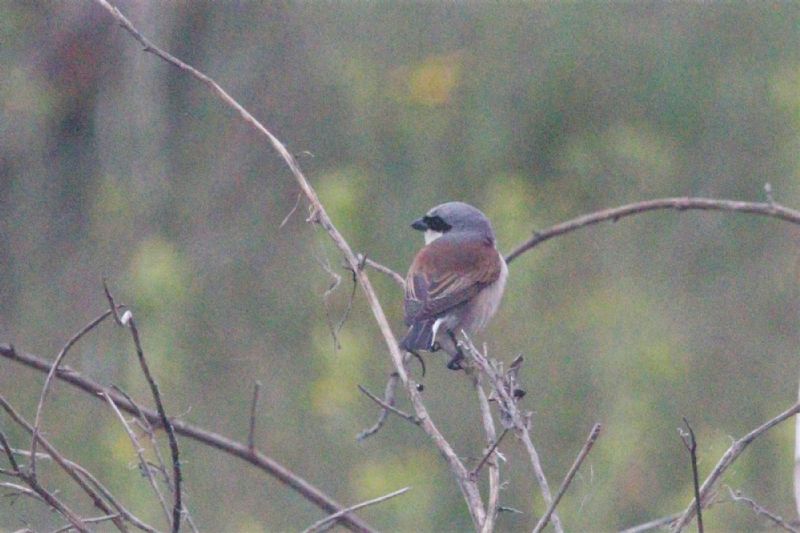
[455, 362]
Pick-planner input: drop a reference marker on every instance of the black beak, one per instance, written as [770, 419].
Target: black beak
[419, 225]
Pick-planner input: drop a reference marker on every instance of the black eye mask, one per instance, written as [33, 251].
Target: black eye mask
[436, 223]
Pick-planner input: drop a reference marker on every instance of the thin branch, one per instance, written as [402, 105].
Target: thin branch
[388, 399]
[493, 501]
[769, 209]
[49, 379]
[397, 278]
[25, 491]
[203, 436]
[94, 520]
[140, 454]
[728, 458]
[797, 461]
[12, 461]
[144, 425]
[389, 407]
[87, 476]
[251, 435]
[691, 445]
[128, 320]
[329, 520]
[505, 393]
[319, 215]
[80, 475]
[475, 471]
[587, 447]
[102, 489]
[737, 496]
[147, 427]
[288, 216]
[39, 491]
[652, 524]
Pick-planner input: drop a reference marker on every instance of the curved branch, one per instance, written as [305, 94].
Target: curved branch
[769, 209]
[224, 444]
[727, 460]
[319, 215]
[49, 379]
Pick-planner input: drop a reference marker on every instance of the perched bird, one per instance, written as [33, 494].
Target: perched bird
[455, 282]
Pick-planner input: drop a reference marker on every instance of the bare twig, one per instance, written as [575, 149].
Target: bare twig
[691, 445]
[80, 475]
[87, 476]
[145, 467]
[797, 461]
[319, 215]
[128, 321]
[652, 524]
[769, 209]
[39, 491]
[737, 496]
[25, 491]
[504, 392]
[147, 427]
[94, 520]
[102, 489]
[397, 278]
[475, 471]
[12, 461]
[251, 435]
[336, 280]
[727, 459]
[214, 440]
[49, 379]
[388, 399]
[288, 216]
[389, 407]
[493, 501]
[587, 447]
[330, 520]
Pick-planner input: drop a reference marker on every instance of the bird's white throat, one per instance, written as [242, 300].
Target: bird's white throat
[431, 235]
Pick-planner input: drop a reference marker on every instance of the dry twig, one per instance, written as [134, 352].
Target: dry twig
[143, 465]
[587, 447]
[493, 501]
[128, 321]
[49, 379]
[82, 477]
[691, 445]
[388, 407]
[736, 496]
[251, 435]
[397, 278]
[504, 391]
[652, 524]
[37, 491]
[328, 521]
[214, 440]
[727, 459]
[769, 209]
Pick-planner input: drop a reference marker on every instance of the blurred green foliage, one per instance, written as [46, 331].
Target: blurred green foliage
[115, 164]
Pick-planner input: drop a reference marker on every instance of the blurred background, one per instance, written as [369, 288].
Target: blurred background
[113, 163]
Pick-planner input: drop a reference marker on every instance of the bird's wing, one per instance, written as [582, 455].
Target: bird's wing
[446, 273]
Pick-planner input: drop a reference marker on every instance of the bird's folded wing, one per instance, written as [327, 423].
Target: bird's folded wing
[446, 273]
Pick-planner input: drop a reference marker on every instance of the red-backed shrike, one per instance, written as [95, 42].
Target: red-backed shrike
[455, 282]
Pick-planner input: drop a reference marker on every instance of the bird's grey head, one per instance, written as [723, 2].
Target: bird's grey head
[454, 217]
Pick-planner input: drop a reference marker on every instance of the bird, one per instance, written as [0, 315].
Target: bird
[455, 282]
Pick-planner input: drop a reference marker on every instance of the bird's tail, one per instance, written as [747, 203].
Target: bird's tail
[419, 336]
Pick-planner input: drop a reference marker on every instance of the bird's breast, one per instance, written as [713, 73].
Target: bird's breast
[487, 301]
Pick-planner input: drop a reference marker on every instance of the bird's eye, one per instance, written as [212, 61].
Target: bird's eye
[436, 223]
